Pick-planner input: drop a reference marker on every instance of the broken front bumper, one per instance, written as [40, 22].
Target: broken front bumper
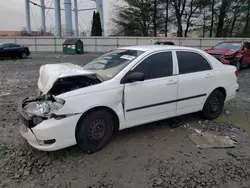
[47, 134]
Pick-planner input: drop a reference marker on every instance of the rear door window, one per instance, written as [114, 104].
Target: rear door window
[190, 62]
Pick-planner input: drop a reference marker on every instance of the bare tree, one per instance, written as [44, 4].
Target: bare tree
[179, 7]
[225, 5]
[190, 10]
[212, 18]
[247, 17]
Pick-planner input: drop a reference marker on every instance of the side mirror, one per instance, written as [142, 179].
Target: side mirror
[135, 77]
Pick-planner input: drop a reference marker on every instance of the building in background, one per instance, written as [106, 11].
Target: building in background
[24, 33]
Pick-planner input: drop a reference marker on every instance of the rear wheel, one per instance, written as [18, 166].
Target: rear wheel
[214, 105]
[94, 131]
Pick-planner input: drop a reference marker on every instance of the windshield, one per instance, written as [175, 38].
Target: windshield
[234, 46]
[110, 64]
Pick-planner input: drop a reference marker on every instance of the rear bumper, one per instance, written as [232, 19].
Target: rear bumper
[231, 92]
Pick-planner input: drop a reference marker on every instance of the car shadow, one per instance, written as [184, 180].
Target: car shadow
[133, 132]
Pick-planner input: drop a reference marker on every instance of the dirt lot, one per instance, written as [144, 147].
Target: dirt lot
[153, 155]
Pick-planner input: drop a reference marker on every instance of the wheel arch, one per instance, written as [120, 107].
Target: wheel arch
[111, 111]
[222, 90]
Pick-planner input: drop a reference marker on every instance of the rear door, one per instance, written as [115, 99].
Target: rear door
[155, 97]
[195, 78]
[16, 50]
[13, 50]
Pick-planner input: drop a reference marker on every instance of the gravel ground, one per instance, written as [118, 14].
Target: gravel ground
[152, 155]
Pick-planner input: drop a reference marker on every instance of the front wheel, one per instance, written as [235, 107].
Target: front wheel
[94, 131]
[24, 55]
[213, 106]
[237, 64]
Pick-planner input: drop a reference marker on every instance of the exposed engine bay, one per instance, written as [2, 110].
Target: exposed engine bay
[63, 85]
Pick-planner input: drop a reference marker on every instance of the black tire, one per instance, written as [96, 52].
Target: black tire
[24, 55]
[237, 64]
[214, 105]
[94, 131]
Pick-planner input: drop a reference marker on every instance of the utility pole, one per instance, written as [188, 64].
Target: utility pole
[68, 17]
[76, 18]
[28, 23]
[58, 24]
[43, 16]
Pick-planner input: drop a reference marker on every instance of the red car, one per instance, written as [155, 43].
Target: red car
[235, 53]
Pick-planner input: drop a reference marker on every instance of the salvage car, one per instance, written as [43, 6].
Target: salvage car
[11, 50]
[124, 88]
[235, 53]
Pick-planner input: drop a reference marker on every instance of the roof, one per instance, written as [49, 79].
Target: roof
[71, 41]
[236, 41]
[165, 42]
[156, 47]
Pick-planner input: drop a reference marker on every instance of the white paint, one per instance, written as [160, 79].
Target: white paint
[121, 98]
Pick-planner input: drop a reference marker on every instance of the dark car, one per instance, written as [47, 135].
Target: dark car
[235, 53]
[164, 43]
[11, 50]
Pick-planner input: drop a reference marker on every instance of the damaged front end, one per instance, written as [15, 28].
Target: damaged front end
[41, 120]
[54, 80]
[35, 110]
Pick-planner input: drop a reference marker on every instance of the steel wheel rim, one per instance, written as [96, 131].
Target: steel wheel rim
[97, 130]
[214, 104]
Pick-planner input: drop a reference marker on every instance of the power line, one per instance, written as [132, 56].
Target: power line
[34, 18]
[80, 3]
[49, 9]
[36, 4]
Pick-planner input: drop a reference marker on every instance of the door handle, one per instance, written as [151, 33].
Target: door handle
[172, 82]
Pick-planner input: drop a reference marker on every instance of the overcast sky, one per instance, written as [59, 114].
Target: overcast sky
[12, 14]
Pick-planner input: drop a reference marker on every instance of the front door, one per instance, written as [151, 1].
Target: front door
[155, 97]
[196, 79]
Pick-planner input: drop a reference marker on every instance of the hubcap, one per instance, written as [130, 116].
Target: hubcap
[24, 55]
[97, 130]
[214, 104]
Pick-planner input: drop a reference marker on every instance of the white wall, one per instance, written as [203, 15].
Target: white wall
[104, 44]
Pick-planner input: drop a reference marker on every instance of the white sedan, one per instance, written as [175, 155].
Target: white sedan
[124, 88]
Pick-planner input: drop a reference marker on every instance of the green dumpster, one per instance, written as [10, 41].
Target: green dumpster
[73, 46]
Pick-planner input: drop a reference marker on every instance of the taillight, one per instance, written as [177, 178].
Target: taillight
[236, 73]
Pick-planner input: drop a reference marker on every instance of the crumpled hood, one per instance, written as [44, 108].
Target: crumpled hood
[49, 73]
[220, 51]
